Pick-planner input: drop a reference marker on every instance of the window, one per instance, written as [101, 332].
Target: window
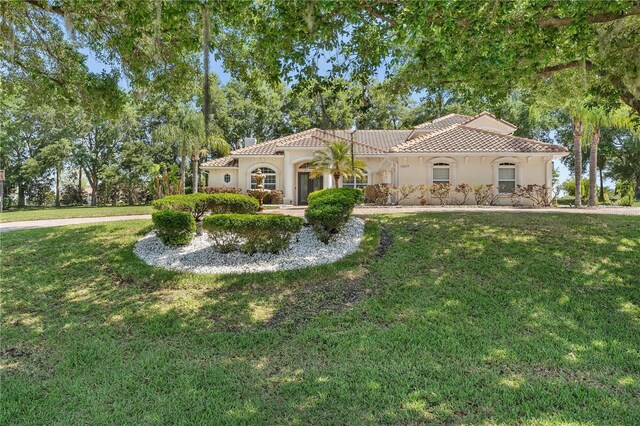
[360, 182]
[227, 178]
[269, 181]
[506, 178]
[441, 173]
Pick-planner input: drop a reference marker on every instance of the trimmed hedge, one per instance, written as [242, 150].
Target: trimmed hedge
[329, 210]
[251, 233]
[232, 203]
[194, 204]
[199, 204]
[353, 194]
[174, 228]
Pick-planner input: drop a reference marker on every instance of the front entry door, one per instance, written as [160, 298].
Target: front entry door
[306, 185]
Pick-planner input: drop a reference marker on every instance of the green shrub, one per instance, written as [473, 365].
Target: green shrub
[329, 210]
[232, 203]
[196, 205]
[174, 228]
[354, 194]
[251, 232]
[199, 204]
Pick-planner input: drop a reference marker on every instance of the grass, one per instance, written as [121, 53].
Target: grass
[20, 215]
[467, 318]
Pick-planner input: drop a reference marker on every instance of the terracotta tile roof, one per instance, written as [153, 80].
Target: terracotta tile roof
[444, 134]
[458, 138]
[442, 122]
[320, 138]
[221, 162]
[485, 113]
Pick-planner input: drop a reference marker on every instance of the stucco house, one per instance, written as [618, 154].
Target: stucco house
[451, 149]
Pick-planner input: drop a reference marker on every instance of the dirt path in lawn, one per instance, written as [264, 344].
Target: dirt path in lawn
[360, 211]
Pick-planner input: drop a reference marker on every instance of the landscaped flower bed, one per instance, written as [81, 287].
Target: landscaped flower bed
[199, 256]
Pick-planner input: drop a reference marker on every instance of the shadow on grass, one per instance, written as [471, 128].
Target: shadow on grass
[473, 318]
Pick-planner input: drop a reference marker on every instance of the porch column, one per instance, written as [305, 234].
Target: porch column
[289, 179]
[327, 181]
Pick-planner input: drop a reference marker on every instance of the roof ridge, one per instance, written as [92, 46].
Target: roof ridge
[422, 138]
[492, 116]
[351, 141]
[511, 136]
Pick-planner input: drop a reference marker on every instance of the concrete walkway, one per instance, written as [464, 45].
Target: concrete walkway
[48, 223]
[360, 211]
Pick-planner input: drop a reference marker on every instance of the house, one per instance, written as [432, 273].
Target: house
[451, 149]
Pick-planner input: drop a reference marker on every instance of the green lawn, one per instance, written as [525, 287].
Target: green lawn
[466, 318]
[20, 215]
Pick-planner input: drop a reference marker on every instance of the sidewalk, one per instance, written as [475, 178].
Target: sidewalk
[360, 211]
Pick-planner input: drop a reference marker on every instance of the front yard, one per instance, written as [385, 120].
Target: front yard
[474, 318]
[38, 213]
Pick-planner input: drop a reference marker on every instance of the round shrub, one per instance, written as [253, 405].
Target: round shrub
[232, 203]
[354, 194]
[329, 210]
[251, 232]
[174, 228]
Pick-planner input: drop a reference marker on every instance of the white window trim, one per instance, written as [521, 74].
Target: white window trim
[453, 166]
[510, 166]
[260, 165]
[496, 178]
[358, 185]
[224, 178]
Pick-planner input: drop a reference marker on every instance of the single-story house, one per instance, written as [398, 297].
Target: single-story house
[452, 149]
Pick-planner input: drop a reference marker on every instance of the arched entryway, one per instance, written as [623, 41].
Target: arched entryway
[306, 184]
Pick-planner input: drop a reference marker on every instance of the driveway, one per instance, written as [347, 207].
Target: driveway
[360, 211]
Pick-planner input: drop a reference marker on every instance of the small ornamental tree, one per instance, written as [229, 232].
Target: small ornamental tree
[441, 191]
[465, 189]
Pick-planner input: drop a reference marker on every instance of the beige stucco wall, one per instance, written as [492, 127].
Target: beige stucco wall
[474, 170]
[400, 170]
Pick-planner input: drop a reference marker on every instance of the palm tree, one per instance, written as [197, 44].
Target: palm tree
[188, 133]
[595, 119]
[337, 163]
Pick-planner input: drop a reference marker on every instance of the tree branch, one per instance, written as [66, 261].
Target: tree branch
[596, 19]
[44, 5]
[555, 68]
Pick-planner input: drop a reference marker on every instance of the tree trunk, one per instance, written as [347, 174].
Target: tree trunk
[593, 165]
[601, 185]
[206, 98]
[80, 184]
[183, 173]
[336, 181]
[577, 127]
[94, 195]
[195, 175]
[58, 186]
[21, 196]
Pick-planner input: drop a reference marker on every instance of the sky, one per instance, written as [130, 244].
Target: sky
[95, 65]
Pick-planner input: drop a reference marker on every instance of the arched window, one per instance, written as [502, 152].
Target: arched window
[360, 182]
[269, 178]
[506, 178]
[227, 178]
[441, 173]
[306, 166]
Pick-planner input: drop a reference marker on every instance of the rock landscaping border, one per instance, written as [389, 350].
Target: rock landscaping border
[199, 256]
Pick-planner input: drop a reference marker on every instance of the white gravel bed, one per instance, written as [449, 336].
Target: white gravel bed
[201, 258]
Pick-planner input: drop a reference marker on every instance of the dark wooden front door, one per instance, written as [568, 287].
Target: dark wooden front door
[306, 185]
